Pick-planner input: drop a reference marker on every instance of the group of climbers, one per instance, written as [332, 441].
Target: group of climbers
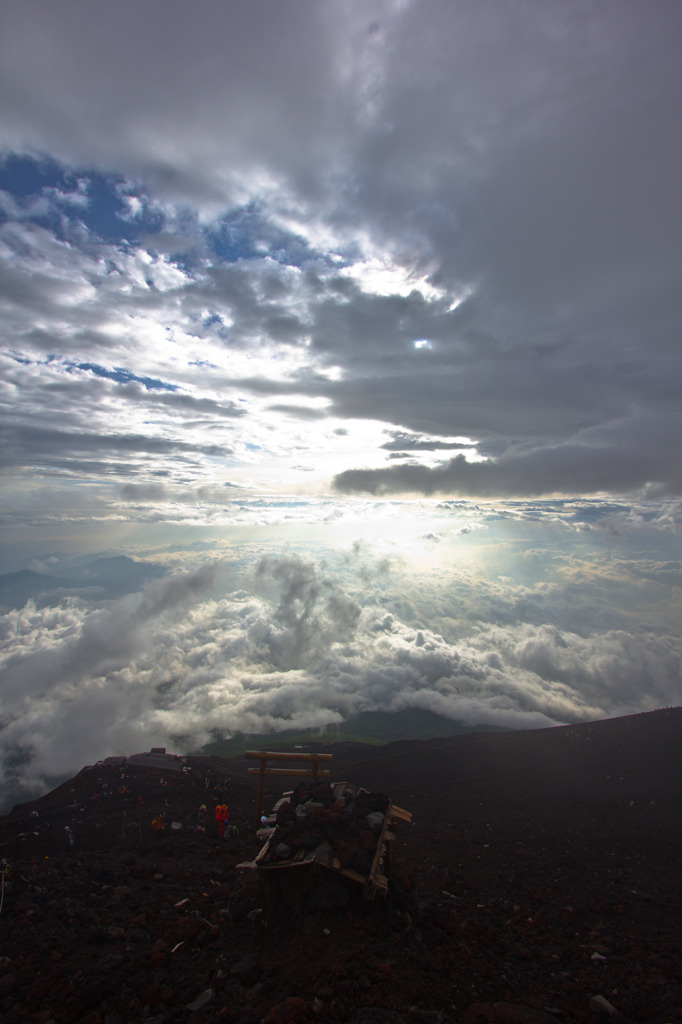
[222, 817]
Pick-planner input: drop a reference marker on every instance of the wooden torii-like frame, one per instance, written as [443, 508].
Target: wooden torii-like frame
[267, 755]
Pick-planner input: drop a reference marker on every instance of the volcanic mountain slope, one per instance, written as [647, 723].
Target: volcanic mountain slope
[538, 882]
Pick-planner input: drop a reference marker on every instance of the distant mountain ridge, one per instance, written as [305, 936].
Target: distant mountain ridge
[369, 727]
[108, 577]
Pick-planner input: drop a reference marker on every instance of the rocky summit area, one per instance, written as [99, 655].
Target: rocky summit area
[537, 883]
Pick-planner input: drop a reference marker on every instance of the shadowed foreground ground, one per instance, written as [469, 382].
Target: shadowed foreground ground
[541, 871]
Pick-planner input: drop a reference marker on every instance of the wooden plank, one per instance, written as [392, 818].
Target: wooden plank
[378, 860]
[385, 836]
[261, 853]
[398, 812]
[354, 875]
[260, 796]
[381, 844]
[289, 771]
[284, 865]
[324, 854]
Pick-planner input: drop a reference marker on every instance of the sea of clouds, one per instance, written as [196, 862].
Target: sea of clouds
[528, 616]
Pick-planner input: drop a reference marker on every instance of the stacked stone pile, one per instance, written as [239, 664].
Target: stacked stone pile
[341, 823]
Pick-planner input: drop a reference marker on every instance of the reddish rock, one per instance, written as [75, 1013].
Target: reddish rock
[94, 1017]
[150, 995]
[292, 1011]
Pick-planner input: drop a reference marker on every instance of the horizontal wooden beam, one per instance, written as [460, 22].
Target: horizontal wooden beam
[398, 812]
[289, 771]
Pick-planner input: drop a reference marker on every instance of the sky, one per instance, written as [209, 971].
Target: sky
[361, 321]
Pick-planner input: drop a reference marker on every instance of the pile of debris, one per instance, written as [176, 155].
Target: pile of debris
[340, 827]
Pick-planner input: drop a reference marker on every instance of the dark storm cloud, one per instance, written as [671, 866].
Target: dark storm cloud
[21, 445]
[580, 469]
[300, 411]
[402, 442]
[458, 220]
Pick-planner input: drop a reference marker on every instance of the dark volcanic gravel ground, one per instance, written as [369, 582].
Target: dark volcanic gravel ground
[541, 870]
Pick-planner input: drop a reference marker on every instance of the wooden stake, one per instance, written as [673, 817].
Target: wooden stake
[268, 755]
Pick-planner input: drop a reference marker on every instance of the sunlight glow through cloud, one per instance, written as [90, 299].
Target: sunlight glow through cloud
[382, 277]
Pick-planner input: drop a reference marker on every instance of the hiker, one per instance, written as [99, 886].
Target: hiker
[221, 817]
[158, 824]
[202, 819]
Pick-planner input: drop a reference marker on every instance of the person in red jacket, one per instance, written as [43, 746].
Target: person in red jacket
[221, 817]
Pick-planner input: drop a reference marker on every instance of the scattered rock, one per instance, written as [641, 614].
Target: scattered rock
[7, 983]
[291, 1011]
[376, 1015]
[503, 895]
[505, 1013]
[246, 971]
[598, 1004]
[108, 963]
[204, 999]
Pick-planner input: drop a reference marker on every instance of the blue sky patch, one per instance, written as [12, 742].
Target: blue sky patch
[123, 376]
[246, 233]
[103, 209]
[24, 176]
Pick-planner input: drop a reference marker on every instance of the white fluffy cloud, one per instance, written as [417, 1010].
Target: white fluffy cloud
[280, 641]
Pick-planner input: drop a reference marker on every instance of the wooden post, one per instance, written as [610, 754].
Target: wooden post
[261, 793]
[267, 755]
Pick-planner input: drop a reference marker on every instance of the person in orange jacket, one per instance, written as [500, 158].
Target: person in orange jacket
[221, 817]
